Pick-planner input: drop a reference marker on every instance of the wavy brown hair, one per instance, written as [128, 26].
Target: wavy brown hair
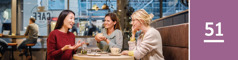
[114, 19]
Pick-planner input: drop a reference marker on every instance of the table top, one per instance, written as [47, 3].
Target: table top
[13, 36]
[80, 56]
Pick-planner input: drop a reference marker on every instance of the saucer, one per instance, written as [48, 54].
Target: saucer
[94, 54]
[114, 54]
[102, 52]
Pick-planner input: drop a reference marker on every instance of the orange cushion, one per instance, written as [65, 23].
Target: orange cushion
[30, 44]
[11, 44]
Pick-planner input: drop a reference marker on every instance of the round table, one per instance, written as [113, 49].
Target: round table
[80, 56]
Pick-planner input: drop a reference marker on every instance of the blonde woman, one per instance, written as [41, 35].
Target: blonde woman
[149, 43]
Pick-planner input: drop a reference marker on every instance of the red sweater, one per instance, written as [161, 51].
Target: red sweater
[55, 41]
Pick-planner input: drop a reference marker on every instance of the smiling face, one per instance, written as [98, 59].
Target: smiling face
[69, 21]
[108, 23]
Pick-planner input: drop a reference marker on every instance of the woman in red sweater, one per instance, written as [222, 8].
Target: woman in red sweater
[61, 43]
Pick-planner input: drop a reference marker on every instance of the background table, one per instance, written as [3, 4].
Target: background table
[80, 56]
[13, 37]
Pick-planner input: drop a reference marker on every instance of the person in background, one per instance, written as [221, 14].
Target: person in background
[149, 43]
[74, 29]
[111, 35]
[92, 29]
[60, 42]
[32, 36]
[3, 46]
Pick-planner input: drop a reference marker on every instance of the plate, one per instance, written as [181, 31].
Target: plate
[102, 52]
[94, 54]
[114, 54]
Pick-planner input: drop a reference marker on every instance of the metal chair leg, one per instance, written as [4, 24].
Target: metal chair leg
[30, 52]
[12, 53]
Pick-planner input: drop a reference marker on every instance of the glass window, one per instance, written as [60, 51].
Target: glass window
[169, 7]
[45, 12]
[30, 9]
[56, 4]
[90, 20]
[5, 15]
[5, 19]
[172, 7]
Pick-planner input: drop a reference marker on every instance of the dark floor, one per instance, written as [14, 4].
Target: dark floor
[38, 54]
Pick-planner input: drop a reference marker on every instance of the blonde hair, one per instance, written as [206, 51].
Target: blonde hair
[143, 15]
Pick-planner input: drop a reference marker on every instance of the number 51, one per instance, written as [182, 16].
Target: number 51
[211, 29]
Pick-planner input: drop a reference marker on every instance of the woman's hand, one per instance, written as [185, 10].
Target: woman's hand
[102, 38]
[99, 37]
[66, 47]
[134, 30]
[78, 44]
[69, 47]
[125, 52]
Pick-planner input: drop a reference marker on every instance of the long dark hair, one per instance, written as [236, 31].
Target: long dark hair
[114, 19]
[60, 21]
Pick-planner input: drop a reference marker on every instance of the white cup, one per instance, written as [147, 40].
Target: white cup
[115, 50]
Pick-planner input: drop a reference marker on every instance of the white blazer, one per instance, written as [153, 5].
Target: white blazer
[149, 47]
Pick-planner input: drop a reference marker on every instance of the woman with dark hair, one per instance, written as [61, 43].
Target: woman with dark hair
[60, 42]
[111, 36]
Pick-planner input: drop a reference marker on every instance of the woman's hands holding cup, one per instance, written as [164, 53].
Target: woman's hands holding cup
[99, 37]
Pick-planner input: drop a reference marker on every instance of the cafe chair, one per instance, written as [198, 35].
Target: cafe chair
[30, 45]
[12, 44]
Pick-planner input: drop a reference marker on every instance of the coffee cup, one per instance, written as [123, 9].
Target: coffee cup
[115, 50]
